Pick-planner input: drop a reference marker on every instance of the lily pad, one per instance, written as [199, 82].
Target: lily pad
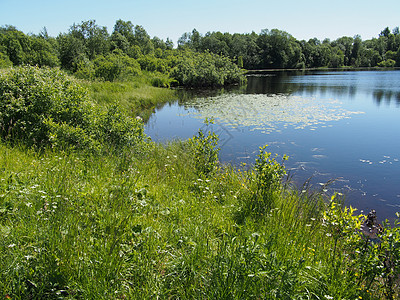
[269, 112]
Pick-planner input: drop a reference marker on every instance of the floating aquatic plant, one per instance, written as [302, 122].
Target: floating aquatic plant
[269, 113]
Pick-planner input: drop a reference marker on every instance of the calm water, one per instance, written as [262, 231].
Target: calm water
[333, 125]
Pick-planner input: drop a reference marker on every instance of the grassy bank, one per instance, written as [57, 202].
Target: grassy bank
[148, 226]
[151, 221]
[136, 98]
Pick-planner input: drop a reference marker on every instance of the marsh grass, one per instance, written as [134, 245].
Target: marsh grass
[150, 222]
[80, 226]
[137, 98]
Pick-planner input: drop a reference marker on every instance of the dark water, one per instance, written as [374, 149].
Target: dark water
[333, 125]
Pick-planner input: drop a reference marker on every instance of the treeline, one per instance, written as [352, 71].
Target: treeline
[278, 49]
[213, 59]
[88, 51]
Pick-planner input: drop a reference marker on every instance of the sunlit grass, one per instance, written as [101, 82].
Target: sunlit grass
[167, 221]
[137, 97]
[147, 226]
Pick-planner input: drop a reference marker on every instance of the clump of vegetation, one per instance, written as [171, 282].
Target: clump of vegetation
[265, 182]
[201, 70]
[47, 108]
[113, 66]
[89, 52]
[5, 62]
[205, 151]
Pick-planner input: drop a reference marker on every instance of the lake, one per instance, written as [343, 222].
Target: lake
[342, 125]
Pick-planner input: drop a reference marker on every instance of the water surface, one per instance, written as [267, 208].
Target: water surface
[333, 125]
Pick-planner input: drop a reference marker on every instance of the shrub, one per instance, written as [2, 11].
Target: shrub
[161, 80]
[154, 64]
[63, 135]
[389, 63]
[264, 186]
[268, 176]
[116, 65]
[85, 70]
[205, 69]
[119, 130]
[46, 107]
[5, 62]
[31, 96]
[205, 151]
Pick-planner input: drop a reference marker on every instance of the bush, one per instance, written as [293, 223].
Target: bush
[265, 184]
[153, 64]
[31, 96]
[116, 65]
[5, 62]
[85, 70]
[161, 80]
[46, 107]
[389, 63]
[205, 151]
[119, 130]
[205, 69]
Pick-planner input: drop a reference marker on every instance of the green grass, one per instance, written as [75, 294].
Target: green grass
[137, 98]
[142, 227]
[151, 222]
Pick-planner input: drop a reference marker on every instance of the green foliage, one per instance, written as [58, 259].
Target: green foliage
[116, 65]
[161, 80]
[134, 98]
[268, 171]
[84, 43]
[389, 63]
[85, 70]
[71, 51]
[147, 225]
[240, 62]
[336, 60]
[63, 136]
[153, 64]
[389, 257]
[94, 38]
[370, 255]
[264, 186]
[205, 69]
[42, 53]
[166, 221]
[5, 62]
[279, 49]
[19, 48]
[45, 107]
[31, 96]
[342, 226]
[119, 130]
[205, 151]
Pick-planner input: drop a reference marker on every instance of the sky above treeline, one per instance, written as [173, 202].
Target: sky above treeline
[171, 18]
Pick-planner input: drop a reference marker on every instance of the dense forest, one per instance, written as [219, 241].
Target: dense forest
[212, 59]
[278, 49]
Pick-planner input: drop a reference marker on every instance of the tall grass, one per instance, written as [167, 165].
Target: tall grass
[154, 221]
[137, 98]
[81, 226]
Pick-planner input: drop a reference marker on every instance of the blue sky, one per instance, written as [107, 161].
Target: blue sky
[171, 18]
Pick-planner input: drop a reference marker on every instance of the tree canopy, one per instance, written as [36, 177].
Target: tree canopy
[88, 50]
